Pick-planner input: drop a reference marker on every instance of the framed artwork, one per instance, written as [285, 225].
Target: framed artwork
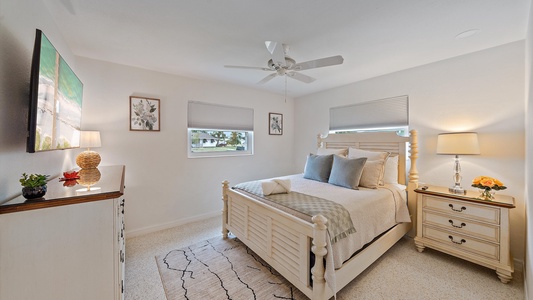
[275, 124]
[144, 114]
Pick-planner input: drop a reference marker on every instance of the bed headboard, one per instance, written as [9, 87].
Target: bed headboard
[375, 141]
[405, 147]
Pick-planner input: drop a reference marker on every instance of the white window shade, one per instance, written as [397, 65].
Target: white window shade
[214, 116]
[390, 112]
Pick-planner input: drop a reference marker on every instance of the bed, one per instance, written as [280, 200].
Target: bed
[298, 247]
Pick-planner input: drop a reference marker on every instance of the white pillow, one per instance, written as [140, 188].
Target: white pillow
[371, 155]
[372, 173]
[327, 151]
[378, 168]
[390, 175]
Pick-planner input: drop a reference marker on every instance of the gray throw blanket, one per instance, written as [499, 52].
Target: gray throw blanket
[339, 222]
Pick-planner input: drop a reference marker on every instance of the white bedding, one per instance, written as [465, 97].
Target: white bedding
[373, 211]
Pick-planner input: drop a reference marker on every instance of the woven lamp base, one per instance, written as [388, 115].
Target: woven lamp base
[88, 159]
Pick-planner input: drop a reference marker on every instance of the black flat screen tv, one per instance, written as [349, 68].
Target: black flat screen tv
[54, 117]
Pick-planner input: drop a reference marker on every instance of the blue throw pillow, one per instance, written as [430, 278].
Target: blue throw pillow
[347, 172]
[318, 167]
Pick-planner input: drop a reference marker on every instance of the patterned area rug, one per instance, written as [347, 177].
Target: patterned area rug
[221, 269]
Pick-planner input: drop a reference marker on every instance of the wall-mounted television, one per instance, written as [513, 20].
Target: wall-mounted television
[54, 117]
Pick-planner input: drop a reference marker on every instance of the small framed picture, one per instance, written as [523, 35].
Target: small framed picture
[144, 114]
[275, 124]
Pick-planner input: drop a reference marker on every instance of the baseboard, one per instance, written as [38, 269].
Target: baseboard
[151, 229]
[518, 265]
[525, 282]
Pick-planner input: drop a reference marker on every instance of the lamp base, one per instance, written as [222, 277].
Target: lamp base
[457, 190]
[88, 159]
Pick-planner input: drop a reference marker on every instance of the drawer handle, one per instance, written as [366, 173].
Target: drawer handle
[461, 226]
[459, 210]
[458, 243]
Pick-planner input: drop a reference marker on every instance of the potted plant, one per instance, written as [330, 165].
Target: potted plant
[34, 185]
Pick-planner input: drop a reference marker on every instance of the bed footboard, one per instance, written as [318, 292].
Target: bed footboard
[282, 240]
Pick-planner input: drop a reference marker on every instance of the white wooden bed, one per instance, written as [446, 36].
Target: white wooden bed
[286, 242]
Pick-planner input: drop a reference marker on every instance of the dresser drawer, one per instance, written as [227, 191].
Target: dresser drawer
[462, 242]
[462, 209]
[487, 232]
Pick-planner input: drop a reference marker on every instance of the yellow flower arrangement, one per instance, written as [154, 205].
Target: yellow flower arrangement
[486, 185]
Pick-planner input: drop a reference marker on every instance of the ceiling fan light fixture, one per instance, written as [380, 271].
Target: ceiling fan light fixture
[289, 64]
[283, 65]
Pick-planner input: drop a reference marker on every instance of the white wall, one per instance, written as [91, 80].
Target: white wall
[482, 92]
[529, 157]
[18, 21]
[163, 186]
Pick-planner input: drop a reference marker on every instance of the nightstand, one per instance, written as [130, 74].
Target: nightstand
[464, 226]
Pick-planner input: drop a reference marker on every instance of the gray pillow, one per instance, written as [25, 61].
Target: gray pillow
[318, 167]
[347, 172]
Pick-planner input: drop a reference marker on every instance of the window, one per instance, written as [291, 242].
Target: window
[219, 130]
[391, 114]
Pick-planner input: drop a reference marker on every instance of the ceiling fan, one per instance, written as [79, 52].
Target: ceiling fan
[282, 65]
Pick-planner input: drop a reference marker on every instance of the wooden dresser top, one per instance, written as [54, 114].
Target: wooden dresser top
[470, 196]
[107, 182]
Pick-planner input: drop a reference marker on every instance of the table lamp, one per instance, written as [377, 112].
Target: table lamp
[457, 143]
[89, 159]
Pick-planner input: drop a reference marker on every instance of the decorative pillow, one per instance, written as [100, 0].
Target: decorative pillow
[372, 174]
[372, 156]
[390, 175]
[318, 167]
[326, 151]
[346, 172]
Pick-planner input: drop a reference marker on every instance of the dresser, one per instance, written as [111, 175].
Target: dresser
[69, 245]
[464, 226]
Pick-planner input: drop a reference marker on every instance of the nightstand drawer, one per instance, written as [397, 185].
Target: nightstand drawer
[462, 209]
[463, 242]
[487, 232]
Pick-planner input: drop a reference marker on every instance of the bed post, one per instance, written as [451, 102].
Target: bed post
[319, 249]
[413, 180]
[225, 185]
[319, 141]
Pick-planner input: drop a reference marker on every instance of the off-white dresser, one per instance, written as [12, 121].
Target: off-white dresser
[464, 226]
[67, 245]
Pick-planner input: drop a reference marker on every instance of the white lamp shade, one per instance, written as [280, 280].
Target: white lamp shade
[90, 139]
[458, 143]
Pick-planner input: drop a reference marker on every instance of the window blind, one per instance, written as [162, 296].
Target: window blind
[390, 112]
[203, 115]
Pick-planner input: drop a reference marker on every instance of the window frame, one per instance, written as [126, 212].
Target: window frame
[249, 145]
[401, 130]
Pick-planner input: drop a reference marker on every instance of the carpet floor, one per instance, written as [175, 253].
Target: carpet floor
[401, 273]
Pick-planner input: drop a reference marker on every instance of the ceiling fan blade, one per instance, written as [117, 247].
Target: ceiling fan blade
[277, 52]
[244, 67]
[301, 77]
[319, 63]
[268, 78]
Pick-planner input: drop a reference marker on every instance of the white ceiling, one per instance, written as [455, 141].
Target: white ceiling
[196, 38]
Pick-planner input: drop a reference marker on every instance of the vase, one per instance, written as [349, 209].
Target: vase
[487, 194]
[34, 192]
